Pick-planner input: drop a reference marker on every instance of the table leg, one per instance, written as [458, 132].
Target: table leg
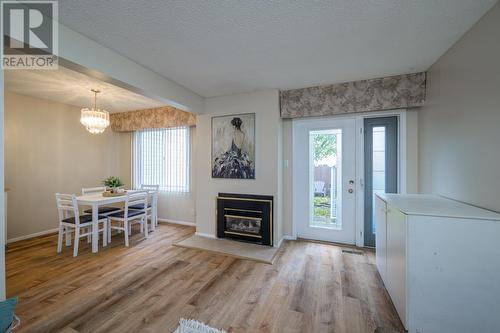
[153, 221]
[156, 212]
[146, 228]
[95, 228]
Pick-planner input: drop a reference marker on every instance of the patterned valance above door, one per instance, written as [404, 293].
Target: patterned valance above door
[163, 117]
[395, 92]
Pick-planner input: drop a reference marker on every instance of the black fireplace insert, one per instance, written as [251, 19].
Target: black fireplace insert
[245, 217]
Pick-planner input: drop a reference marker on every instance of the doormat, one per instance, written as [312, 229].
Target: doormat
[195, 326]
[359, 253]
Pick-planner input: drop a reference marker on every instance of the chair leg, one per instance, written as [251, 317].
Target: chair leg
[89, 236]
[60, 238]
[105, 233]
[151, 218]
[68, 236]
[125, 227]
[155, 216]
[77, 241]
[109, 230]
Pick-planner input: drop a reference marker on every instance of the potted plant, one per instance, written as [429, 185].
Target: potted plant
[113, 183]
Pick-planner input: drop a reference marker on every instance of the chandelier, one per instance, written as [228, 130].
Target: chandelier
[95, 120]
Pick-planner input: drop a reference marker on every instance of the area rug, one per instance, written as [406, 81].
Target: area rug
[194, 326]
[260, 253]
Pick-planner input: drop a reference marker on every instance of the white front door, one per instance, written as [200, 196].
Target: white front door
[324, 173]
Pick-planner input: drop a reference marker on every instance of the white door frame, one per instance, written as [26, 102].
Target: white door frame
[402, 166]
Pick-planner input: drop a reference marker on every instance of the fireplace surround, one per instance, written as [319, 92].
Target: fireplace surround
[245, 217]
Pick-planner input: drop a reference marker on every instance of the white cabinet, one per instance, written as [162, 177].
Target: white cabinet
[396, 259]
[380, 237]
[440, 263]
[391, 252]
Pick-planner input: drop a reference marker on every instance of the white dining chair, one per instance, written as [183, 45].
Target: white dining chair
[70, 221]
[128, 216]
[152, 208]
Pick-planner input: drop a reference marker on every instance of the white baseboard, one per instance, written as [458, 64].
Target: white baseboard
[286, 237]
[36, 234]
[279, 243]
[201, 234]
[162, 220]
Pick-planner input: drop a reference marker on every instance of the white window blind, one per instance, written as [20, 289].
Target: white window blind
[161, 157]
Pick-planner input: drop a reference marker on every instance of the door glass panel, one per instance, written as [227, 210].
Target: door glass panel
[325, 166]
[378, 165]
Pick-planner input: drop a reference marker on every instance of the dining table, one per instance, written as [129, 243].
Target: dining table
[97, 200]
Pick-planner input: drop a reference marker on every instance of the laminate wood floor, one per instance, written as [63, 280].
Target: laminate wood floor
[149, 286]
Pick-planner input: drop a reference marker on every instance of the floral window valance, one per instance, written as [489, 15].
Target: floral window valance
[163, 117]
[395, 92]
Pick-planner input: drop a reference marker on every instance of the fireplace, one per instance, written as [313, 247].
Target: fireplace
[245, 217]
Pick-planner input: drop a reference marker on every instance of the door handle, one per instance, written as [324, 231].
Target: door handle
[350, 190]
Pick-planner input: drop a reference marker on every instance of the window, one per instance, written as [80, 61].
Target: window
[378, 166]
[161, 156]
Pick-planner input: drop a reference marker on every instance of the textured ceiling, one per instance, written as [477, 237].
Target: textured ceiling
[221, 47]
[73, 88]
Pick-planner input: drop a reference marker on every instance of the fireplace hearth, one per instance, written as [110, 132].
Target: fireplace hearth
[245, 217]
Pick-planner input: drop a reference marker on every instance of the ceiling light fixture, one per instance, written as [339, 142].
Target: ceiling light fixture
[95, 120]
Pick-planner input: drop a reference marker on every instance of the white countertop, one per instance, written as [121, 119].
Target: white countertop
[433, 205]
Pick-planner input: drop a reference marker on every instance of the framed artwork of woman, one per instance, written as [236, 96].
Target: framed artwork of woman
[233, 146]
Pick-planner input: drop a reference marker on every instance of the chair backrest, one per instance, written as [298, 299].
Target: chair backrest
[152, 188]
[139, 198]
[67, 206]
[153, 191]
[93, 190]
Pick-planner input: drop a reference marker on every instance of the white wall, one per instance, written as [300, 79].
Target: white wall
[459, 134]
[2, 193]
[411, 151]
[265, 105]
[47, 150]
